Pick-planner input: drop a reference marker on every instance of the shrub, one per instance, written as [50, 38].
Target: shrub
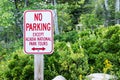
[76, 54]
[18, 67]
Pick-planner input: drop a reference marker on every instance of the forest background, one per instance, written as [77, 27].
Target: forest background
[87, 39]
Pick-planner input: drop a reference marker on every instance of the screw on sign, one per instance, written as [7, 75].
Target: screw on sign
[38, 31]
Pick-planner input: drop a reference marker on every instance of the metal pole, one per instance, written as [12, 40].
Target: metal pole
[38, 67]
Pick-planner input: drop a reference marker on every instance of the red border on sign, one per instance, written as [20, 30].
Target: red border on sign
[24, 32]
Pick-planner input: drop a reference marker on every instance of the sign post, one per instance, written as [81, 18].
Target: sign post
[38, 67]
[38, 37]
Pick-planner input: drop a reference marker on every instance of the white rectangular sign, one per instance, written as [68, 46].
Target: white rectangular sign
[38, 32]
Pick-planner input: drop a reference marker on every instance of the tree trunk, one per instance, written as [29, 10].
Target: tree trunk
[106, 4]
[117, 9]
[56, 20]
[18, 18]
[106, 13]
[26, 3]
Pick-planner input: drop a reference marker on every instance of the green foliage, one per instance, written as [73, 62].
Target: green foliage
[93, 51]
[102, 44]
[117, 16]
[64, 18]
[76, 54]
[8, 22]
[17, 67]
[5, 12]
[75, 9]
[66, 61]
[90, 21]
[69, 37]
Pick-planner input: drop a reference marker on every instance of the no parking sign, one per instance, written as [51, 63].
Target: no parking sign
[38, 32]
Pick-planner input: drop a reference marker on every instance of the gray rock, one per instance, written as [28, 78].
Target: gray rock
[59, 78]
[101, 76]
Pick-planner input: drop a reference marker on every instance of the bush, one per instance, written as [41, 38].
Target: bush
[18, 67]
[101, 45]
[89, 52]
[67, 61]
[76, 54]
